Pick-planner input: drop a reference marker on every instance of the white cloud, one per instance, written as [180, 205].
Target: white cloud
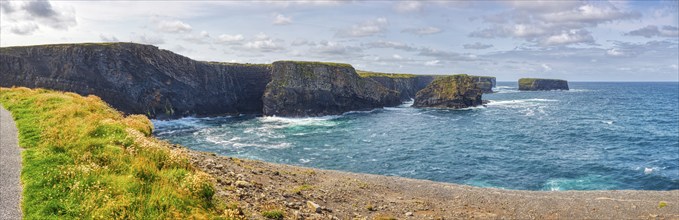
[26, 17]
[397, 57]
[422, 31]
[432, 63]
[202, 38]
[226, 38]
[334, 49]
[263, 43]
[653, 31]
[280, 19]
[569, 37]
[477, 46]
[388, 44]
[23, 28]
[108, 38]
[408, 6]
[546, 67]
[549, 23]
[173, 26]
[365, 29]
[147, 39]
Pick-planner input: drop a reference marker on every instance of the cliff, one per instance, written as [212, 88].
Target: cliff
[138, 79]
[406, 84]
[485, 83]
[456, 91]
[299, 89]
[534, 84]
[409, 84]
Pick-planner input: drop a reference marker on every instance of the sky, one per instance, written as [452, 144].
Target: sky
[573, 40]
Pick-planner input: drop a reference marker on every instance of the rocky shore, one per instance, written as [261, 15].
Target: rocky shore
[257, 187]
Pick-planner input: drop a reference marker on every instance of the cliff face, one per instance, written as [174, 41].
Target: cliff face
[409, 84]
[456, 91]
[139, 79]
[485, 83]
[407, 87]
[299, 89]
[533, 84]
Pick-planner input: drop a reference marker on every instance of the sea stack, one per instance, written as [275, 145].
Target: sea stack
[301, 89]
[534, 84]
[456, 91]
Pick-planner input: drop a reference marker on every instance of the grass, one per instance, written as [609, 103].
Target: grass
[274, 214]
[342, 65]
[83, 159]
[301, 188]
[366, 74]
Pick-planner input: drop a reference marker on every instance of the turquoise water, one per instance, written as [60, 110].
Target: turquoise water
[596, 136]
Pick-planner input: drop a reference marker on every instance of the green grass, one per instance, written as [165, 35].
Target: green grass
[83, 159]
[342, 65]
[366, 74]
[274, 214]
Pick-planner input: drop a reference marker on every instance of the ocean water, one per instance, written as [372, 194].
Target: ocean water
[597, 136]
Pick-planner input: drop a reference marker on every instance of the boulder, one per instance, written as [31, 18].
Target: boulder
[301, 89]
[456, 91]
[534, 84]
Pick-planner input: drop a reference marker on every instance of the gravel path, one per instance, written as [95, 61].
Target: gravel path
[10, 168]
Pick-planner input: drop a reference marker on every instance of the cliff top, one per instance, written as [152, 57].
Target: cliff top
[366, 74]
[101, 44]
[534, 79]
[342, 65]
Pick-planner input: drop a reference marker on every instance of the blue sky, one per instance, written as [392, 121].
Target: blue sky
[574, 40]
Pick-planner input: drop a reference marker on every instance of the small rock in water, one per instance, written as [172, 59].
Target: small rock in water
[313, 206]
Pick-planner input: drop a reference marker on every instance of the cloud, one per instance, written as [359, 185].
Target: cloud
[548, 23]
[445, 55]
[202, 38]
[282, 20]
[334, 49]
[626, 49]
[263, 43]
[569, 37]
[27, 17]
[653, 31]
[388, 44]
[432, 63]
[24, 28]
[477, 46]
[408, 6]
[173, 26]
[302, 42]
[6, 7]
[226, 38]
[422, 31]
[108, 38]
[546, 67]
[147, 39]
[365, 29]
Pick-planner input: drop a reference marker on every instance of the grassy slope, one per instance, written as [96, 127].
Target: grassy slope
[83, 159]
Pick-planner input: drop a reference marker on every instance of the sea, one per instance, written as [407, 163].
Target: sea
[595, 136]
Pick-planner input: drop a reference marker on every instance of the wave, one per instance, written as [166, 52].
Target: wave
[325, 121]
[518, 102]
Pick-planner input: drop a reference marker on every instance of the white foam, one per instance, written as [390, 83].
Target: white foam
[518, 102]
[279, 122]
[607, 122]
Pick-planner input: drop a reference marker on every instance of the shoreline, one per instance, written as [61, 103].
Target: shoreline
[259, 186]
